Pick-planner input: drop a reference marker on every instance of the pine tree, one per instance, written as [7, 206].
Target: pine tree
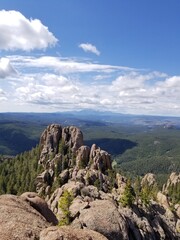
[128, 196]
[64, 204]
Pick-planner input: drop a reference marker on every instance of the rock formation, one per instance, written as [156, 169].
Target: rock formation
[173, 180]
[95, 210]
[69, 233]
[18, 220]
[73, 138]
[40, 205]
[49, 142]
[62, 149]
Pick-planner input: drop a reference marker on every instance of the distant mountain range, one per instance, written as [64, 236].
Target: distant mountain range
[92, 117]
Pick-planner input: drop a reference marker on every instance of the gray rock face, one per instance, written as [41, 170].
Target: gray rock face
[18, 220]
[163, 200]
[83, 171]
[149, 179]
[72, 137]
[100, 159]
[49, 142]
[173, 179]
[82, 156]
[62, 150]
[68, 233]
[102, 216]
[41, 206]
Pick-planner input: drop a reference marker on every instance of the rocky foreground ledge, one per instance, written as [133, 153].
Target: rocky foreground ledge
[28, 217]
[95, 212]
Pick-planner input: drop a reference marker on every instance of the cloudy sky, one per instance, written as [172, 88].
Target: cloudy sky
[61, 55]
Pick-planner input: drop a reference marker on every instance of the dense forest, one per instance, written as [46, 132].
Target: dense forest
[18, 175]
[136, 149]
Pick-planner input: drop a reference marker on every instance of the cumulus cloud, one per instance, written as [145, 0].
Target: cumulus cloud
[6, 69]
[88, 47]
[54, 84]
[47, 89]
[18, 32]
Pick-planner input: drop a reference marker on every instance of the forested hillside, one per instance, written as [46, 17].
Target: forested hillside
[150, 146]
[78, 182]
[18, 174]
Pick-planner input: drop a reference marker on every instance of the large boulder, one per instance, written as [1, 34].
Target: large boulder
[163, 200]
[41, 206]
[69, 233]
[19, 220]
[103, 216]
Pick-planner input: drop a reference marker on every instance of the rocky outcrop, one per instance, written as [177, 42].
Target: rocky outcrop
[163, 200]
[63, 156]
[149, 179]
[69, 233]
[19, 220]
[95, 210]
[25, 217]
[100, 159]
[41, 206]
[49, 142]
[173, 180]
[82, 156]
[103, 216]
[121, 182]
[72, 137]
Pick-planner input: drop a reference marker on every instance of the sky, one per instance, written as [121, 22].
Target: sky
[63, 55]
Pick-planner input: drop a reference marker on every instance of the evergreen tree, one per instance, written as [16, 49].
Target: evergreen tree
[64, 204]
[127, 199]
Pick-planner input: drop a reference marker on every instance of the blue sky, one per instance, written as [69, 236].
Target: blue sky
[117, 55]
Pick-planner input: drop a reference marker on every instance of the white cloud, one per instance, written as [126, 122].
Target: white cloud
[88, 47]
[18, 32]
[6, 69]
[54, 84]
[64, 65]
[47, 89]
[2, 96]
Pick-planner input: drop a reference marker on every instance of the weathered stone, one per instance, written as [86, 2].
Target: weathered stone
[162, 200]
[19, 220]
[90, 191]
[40, 205]
[102, 216]
[177, 209]
[49, 142]
[74, 187]
[121, 183]
[53, 201]
[99, 159]
[148, 179]
[72, 137]
[82, 156]
[77, 206]
[64, 176]
[173, 179]
[178, 226]
[69, 233]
